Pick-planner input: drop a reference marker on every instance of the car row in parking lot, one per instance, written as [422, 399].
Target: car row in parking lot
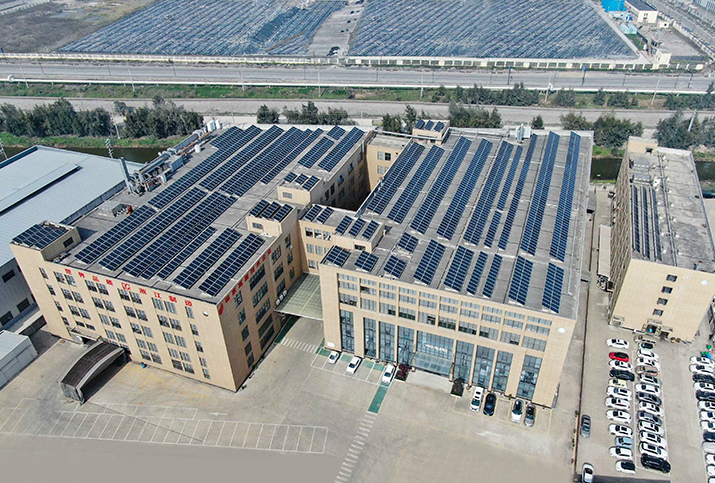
[519, 409]
[354, 363]
[646, 402]
[703, 371]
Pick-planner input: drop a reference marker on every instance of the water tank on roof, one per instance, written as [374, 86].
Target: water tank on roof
[613, 5]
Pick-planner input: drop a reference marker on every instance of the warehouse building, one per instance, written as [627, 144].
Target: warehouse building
[662, 254]
[463, 261]
[45, 184]
[642, 12]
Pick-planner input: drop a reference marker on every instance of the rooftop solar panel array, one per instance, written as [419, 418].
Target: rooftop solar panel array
[395, 266]
[259, 208]
[552, 289]
[290, 177]
[312, 213]
[394, 177]
[492, 276]
[429, 206]
[210, 255]
[476, 277]
[39, 235]
[530, 239]
[407, 242]
[336, 132]
[506, 189]
[337, 256]
[176, 188]
[356, 227]
[343, 225]
[458, 269]
[414, 186]
[451, 218]
[520, 280]
[366, 261]
[563, 214]
[370, 230]
[316, 152]
[184, 255]
[420, 124]
[222, 139]
[99, 246]
[309, 138]
[346, 143]
[231, 265]
[324, 215]
[511, 214]
[429, 262]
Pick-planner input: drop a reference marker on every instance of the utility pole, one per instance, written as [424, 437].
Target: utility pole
[422, 83]
[508, 76]
[655, 92]
[319, 95]
[108, 144]
[691, 80]
[243, 86]
[131, 79]
[583, 79]
[692, 120]
[24, 77]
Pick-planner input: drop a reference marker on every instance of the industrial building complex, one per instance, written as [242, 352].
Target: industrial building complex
[187, 268]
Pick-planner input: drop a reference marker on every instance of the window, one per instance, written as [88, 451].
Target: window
[121, 338]
[265, 326]
[173, 353]
[124, 295]
[288, 242]
[276, 254]
[425, 318]
[199, 347]
[141, 315]
[90, 286]
[658, 312]
[238, 300]
[115, 322]
[141, 344]
[70, 280]
[536, 344]
[278, 272]
[257, 226]
[8, 276]
[135, 298]
[289, 258]
[202, 361]
[387, 341]
[367, 304]
[163, 321]
[388, 156]
[59, 277]
[67, 294]
[206, 373]
[144, 354]
[380, 170]
[23, 305]
[170, 307]
[175, 324]
[513, 323]
[97, 302]
[74, 310]
[447, 323]
[510, 338]
[158, 304]
[135, 328]
[130, 312]
[501, 370]
[267, 338]
[288, 196]
[468, 328]
[406, 313]
[242, 316]
[152, 347]
[244, 333]
[537, 329]
[388, 295]
[405, 345]
[491, 318]
[671, 278]
[102, 289]
[78, 297]
[348, 299]
[529, 376]
[104, 319]
[109, 305]
[370, 337]
[177, 365]
[59, 307]
[168, 338]
[483, 366]
[539, 321]
[492, 310]
[155, 358]
[405, 299]
[67, 242]
[327, 235]
[44, 274]
[667, 290]
[185, 356]
[347, 331]
[662, 301]
[488, 333]
[190, 312]
[388, 309]
[311, 264]
[309, 232]
[381, 155]
[111, 335]
[147, 331]
[263, 310]
[194, 329]
[258, 296]
[310, 248]
[180, 341]
[292, 271]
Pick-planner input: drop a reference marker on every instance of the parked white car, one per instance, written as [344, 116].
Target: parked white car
[517, 411]
[621, 453]
[651, 428]
[624, 366]
[704, 386]
[626, 466]
[619, 392]
[477, 398]
[353, 365]
[701, 369]
[703, 361]
[647, 437]
[650, 408]
[388, 374]
[620, 430]
[618, 416]
[617, 383]
[654, 450]
[710, 459]
[648, 354]
[618, 403]
[649, 388]
[707, 425]
[617, 343]
[646, 361]
[646, 379]
[333, 357]
[707, 416]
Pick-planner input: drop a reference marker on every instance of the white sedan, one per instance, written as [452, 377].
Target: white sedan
[618, 416]
[710, 459]
[701, 369]
[626, 466]
[353, 365]
[333, 357]
[707, 425]
[707, 416]
[388, 374]
[704, 386]
[650, 408]
[647, 437]
[617, 343]
[617, 403]
[651, 428]
[653, 450]
[648, 388]
[704, 361]
[624, 366]
[648, 354]
[620, 430]
[647, 361]
[621, 453]
[619, 392]
[706, 405]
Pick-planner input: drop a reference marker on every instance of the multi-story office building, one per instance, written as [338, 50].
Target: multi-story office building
[463, 261]
[662, 254]
[45, 184]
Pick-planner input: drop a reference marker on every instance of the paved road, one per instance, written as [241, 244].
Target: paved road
[356, 109]
[350, 76]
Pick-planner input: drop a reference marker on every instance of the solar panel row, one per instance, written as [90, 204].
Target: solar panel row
[458, 270]
[39, 235]
[203, 168]
[337, 256]
[159, 223]
[520, 280]
[407, 242]
[429, 262]
[563, 214]
[511, 214]
[316, 152]
[636, 219]
[184, 255]
[491, 282]
[231, 265]
[99, 246]
[394, 177]
[509, 179]
[370, 230]
[206, 259]
[333, 157]
[486, 199]
[336, 132]
[366, 261]
[160, 252]
[356, 227]
[395, 266]
[476, 277]
[280, 166]
[492, 231]
[225, 137]
[530, 238]
[429, 206]
[454, 212]
[552, 288]
[325, 214]
[414, 186]
[312, 213]
[343, 225]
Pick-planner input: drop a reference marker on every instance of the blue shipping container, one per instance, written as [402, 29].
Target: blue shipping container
[613, 5]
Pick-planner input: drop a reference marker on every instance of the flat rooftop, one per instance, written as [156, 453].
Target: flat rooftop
[641, 5]
[483, 215]
[43, 183]
[189, 236]
[670, 224]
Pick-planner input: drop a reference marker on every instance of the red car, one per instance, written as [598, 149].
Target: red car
[618, 356]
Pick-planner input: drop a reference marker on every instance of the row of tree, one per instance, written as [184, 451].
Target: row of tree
[608, 130]
[161, 120]
[307, 114]
[682, 132]
[692, 101]
[56, 119]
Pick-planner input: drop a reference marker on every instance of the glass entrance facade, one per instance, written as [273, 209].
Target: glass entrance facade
[387, 342]
[501, 371]
[463, 360]
[347, 330]
[434, 353]
[483, 367]
[529, 376]
[405, 345]
[370, 338]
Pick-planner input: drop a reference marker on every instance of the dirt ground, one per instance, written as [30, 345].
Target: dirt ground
[49, 26]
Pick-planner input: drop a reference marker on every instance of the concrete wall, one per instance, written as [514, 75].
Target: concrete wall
[14, 361]
[14, 293]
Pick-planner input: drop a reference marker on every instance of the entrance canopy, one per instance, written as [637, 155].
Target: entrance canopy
[303, 299]
[90, 364]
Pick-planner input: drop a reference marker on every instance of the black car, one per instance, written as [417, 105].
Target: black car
[489, 404]
[703, 378]
[646, 397]
[622, 375]
[530, 415]
[655, 463]
[709, 437]
[585, 425]
[705, 396]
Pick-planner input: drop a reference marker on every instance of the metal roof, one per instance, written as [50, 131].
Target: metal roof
[51, 184]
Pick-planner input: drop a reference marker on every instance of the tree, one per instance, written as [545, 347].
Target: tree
[537, 122]
[673, 132]
[564, 98]
[459, 94]
[391, 123]
[619, 99]
[599, 98]
[267, 116]
[461, 116]
[575, 122]
[120, 108]
[711, 88]
[611, 132]
[410, 118]
[309, 114]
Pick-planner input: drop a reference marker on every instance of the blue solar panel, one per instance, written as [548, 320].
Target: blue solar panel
[231, 265]
[492, 277]
[552, 288]
[429, 206]
[477, 273]
[301, 179]
[343, 225]
[186, 253]
[99, 246]
[325, 214]
[454, 212]
[429, 262]
[407, 242]
[308, 138]
[479, 218]
[394, 178]
[509, 222]
[366, 261]
[224, 137]
[492, 231]
[312, 212]
[258, 209]
[509, 179]
[281, 214]
[563, 214]
[271, 210]
[370, 230]
[439, 126]
[316, 152]
[336, 132]
[414, 186]
[429, 125]
[530, 238]
[337, 256]
[520, 280]
[206, 259]
[636, 220]
[39, 235]
[290, 177]
[395, 266]
[333, 157]
[420, 124]
[356, 227]
[458, 270]
[312, 181]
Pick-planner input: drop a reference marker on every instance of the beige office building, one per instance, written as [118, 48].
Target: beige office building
[662, 255]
